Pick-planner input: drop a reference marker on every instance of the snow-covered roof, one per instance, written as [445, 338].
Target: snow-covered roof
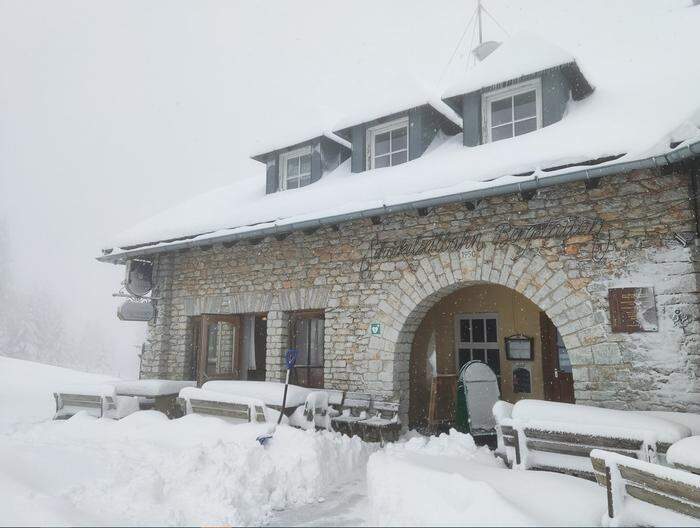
[646, 100]
[517, 57]
[298, 139]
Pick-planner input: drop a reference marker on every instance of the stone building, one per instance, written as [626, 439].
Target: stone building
[489, 224]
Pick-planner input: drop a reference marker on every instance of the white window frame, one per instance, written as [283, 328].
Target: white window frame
[504, 93]
[380, 129]
[284, 157]
[487, 345]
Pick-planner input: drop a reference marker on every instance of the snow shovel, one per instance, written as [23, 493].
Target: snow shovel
[290, 360]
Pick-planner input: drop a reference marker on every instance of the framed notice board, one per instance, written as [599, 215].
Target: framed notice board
[633, 310]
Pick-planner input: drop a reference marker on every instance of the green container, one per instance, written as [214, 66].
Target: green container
[461, 411]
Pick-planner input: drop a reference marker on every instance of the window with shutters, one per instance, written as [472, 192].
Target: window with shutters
[512, 111]
[295, 168]
[387, 144]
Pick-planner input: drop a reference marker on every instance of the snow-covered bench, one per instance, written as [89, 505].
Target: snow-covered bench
[559, 437]
[100, 401]
[384, 426]
[354, 409]
[373, 420]
[229, 406]
[643, 493]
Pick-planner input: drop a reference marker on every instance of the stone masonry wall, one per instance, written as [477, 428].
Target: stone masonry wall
[648, 239]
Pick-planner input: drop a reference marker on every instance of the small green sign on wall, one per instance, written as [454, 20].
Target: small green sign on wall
[375, 329]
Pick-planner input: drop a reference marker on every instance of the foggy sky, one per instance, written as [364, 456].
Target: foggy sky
[113, 111]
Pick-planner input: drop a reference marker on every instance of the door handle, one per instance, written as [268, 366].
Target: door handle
[556, 373]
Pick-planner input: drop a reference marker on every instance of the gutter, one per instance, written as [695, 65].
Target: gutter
[677, 155]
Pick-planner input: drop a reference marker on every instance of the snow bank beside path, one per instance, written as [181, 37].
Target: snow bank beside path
[148, 470]
[450, 479]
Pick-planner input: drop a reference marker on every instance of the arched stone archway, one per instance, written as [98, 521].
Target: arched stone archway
[566, 301]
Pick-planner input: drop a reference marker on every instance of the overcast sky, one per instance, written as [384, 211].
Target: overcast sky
[113, 111]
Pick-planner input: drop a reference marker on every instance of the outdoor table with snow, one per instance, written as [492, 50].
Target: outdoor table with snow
[158, 394]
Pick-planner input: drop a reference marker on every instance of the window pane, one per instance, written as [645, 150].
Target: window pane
[523, 127]
[398, 139]
[491, 333]
[301, 341]
[564, 360]
[305, 162]
[478, 331]
[399, 158]
[292, 183]
[524, 105]
[464, 356]
[221, 346]
[381, 143]
[316, 343]
[502, 111]
[493, 360]
[293, 167]
[382, 161]
[501, 132]
[478, 354]
[304, 180]
[464, 331]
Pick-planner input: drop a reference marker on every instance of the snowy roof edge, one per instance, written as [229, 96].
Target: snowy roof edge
[680, 153]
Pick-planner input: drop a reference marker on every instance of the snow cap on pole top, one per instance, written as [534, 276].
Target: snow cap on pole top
[291, 357]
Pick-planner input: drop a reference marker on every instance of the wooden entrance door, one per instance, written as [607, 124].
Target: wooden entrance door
[219, 351]
[556, 367]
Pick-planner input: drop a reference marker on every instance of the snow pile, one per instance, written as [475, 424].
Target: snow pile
[417, 482]
[26, 390]
[685, 452]
[148, 470]
[583, 419]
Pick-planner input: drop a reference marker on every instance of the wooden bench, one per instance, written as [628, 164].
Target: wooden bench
[236, 411]
[537, 441]
[663, 487]
[68, 404]
[384, 426]
[354, 409]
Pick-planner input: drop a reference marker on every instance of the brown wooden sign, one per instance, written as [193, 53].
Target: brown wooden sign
[633, 310]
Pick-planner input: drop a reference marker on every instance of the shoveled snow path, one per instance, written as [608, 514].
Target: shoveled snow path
[343, 505]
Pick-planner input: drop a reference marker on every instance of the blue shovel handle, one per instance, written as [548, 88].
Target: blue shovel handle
[291, 358]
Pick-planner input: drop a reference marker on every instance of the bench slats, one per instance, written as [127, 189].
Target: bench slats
[601, 442]
[567, 449]
[231, 410]
[663, 501]
[588, 475]
[669, 487]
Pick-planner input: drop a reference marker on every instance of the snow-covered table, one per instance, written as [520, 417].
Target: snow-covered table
[270, 393]
[685, 454]
[158, 394]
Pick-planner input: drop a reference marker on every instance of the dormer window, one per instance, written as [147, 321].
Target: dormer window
[512, 111]
[387, 144]
[295, 168]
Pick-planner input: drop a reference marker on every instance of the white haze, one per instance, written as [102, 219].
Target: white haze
[113, 111]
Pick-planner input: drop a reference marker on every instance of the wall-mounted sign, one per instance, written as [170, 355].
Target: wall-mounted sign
[375, 329]
[135, 311]
[519, 347]
[138, 277]
[633, 310]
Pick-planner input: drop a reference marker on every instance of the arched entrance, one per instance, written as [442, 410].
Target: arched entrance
[426, 280]
[494, 324]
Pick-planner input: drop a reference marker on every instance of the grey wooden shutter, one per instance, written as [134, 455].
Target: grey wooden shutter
[273, 180]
